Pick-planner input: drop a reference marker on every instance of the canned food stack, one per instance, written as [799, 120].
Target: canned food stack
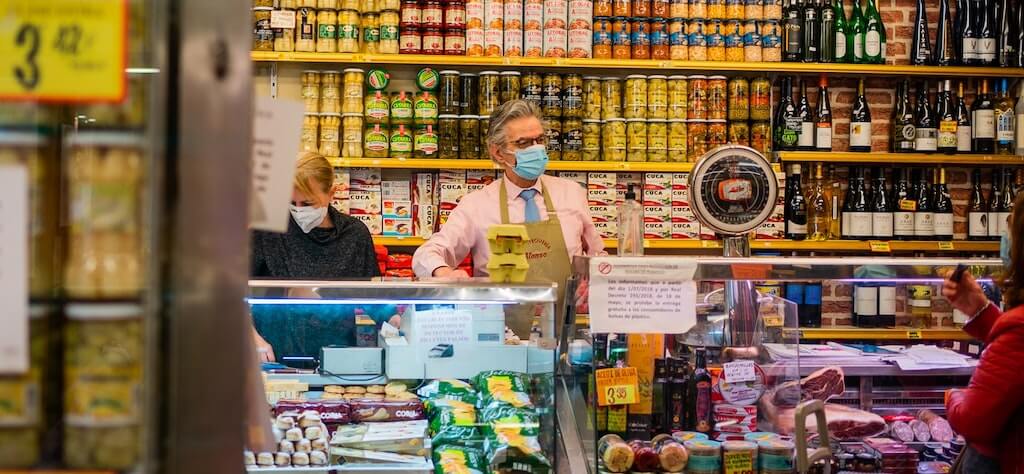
[694, 30]
[531, 28]
[433, 27]
[327, 26]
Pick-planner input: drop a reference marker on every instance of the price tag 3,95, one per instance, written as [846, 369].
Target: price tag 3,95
[63, 50]
[616, 386]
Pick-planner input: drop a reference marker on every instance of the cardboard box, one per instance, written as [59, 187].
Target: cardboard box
[657, 214]
[657, 197]
[683, 214]
[607, 229]
[450, 194]
[770, 231]
[365, 179]
[657, 230]
[577, 176]
[600, 181]
[397, 227]
[601, 197]
[424, 219]
[657, 181]
[424, 185]
[340, 205]
[685, 230]
[365, 203]
[396, 209]
[396, 190]
[706, 233]
[374, 223]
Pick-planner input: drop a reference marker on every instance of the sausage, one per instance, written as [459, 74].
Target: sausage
[902, 431]
[644, 457]
[938, 427]
[921, 431]
[616, 454]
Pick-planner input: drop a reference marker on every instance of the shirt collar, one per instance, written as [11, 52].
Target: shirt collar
[513, 190]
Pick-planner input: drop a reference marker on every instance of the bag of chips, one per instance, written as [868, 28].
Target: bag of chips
[453, 459]
[503, 386]
[512, 436]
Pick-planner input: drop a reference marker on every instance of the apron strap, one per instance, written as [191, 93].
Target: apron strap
[503, 205]
[547, 201]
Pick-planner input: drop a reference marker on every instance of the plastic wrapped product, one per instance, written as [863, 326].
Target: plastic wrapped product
[615, 453]
[285, 446]
[645, 459]
[503, 386]
[452, 459]
[512, 436]
[318, 458]
[283, 460]
[672, 456]
[265, 459]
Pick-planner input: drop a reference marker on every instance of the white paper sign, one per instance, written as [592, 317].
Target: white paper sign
[635, 295]
[282, 19]
[277, 129]
[442, 326]
[739, 371]
[14, 229]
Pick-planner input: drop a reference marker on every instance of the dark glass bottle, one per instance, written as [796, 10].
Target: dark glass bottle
[986, 33]
[926, 127]
[1006, 205]
[1005, 42]
[823, 118]
[860, 122]
[881, 209]
[787, 121]
[812, 31]
[792, 32]
[810, 312]
[676, 401]
[1019, 37]
[601, 362]
[903, 133]
[945, 112]
[904, 204]
[920, 49]
[943, 208]
[803, 107]
[977, 210]
[964, 129]
[827, 50]
[844, 36]
[995, 203]
[944, 53]
[659, 390]
[924, 216]
[983, 118]
[968, 18]
[861, 217]
[874, 35]
[618, 414]
[796, 206]
[701, 383]
[856, 27]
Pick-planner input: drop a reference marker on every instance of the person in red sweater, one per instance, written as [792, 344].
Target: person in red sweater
[988, 413]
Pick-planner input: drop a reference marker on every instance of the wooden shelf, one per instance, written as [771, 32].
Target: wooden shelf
[852, 333]
[368, 60]
[899, 158]
[432, 164]
[782, 245]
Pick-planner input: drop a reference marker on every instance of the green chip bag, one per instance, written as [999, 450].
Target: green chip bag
[503, 386]
[452, 459]
[512, 436]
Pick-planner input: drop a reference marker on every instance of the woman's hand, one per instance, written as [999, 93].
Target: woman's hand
[265, 350]
[451, 273]
[965, 295]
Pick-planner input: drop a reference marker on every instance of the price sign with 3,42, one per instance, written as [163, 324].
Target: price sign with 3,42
[63, 50]
[616, 386]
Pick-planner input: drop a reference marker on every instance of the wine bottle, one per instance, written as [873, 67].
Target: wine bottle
[618, 414]
[986, 34]
[1006, 202]
[944, 53]
[787, 121]
[1019, 112]
[860, 122]
[943, 208]
[903, 123]
[1004, 118]
[844, 35]
[964, 130]
[701, 382]
[995, 201]
[969, 33]
[1005, 45]
[924, 216]
[806, 140]
[601, 362]
[904, 205]
[810, 312]
[926, 129]
[847, 211]
[796, 206]
[827, 50]
[857, 26]
[1019, 40]
[818, 213]
[823, 118]
[881, 209]
[977, 210]
[874, 35]
[861, 218]
[659, 390]
[983, 118]
[834, 191]
[812, 31]
[920, 49]
[792, 33]
[945, 111]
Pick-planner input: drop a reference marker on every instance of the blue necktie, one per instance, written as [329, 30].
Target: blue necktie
[532, 213]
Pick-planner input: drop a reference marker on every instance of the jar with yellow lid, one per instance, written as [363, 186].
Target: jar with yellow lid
[677, 140]
[636, 97]
[591, 140]
[739, 133]
[327, 31]
[611, 98]
[696, 139]
[657, 140]
[677, 97]
[636, 140]
[330, 138]
[718, 134]
[375, 141]
[469, 137]
[613, 140]
[591, 98]
[311, 91]
[739, 99]
[657, 97]
[448, 138]
[572, 139]
[263, 34]
[392, 5]
[310, 129]
[377, 108]
[348, 31]
[327, 4]
[370, 26]
[352, 135]
[358, 5]
[389, 20]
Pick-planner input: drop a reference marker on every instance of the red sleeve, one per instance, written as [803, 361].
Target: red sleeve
[979, 326]
[980, 411]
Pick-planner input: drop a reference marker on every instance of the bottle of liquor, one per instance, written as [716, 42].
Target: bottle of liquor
[977, 210]
[844, 36]
[945, 111]
[819, 215]
[944, 53]
[926, 130]
[796, 206]
[1019, 111]
[834, 193]
[812, 31]
[1006, 202]
[860, 216]
[792, 32]
[659, 390]
[920, 49]
[847, 209]
[874, 35]
[618, 414]
[995, 202]
[986, 33]
[676, 402]
[787, 120]
[904, 205]
[967, 17]
[865, 304]
[827, 50]
[860, 122]
[881, 209]
[964, 130]
[807, 133]
[1005, 45]
[701, 382]
[856, 28]
[886, 306]
[924, 216]
[810, 312]
[943, 208]
[823, 119]
[601, 362]
[1004, 117]
[983, 118]
[903, 133]
[1018, 40]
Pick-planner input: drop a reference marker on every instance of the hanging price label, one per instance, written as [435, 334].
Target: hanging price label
[63, 50]
[879, 246]
[616, 386]
[913, 334]
[945, 245]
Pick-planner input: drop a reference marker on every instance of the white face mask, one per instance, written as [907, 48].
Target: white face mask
[308, 217]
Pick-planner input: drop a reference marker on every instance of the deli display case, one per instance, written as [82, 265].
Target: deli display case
[408, 375]
[646, 384]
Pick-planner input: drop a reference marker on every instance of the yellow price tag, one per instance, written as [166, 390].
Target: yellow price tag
[879, 246]
[772, 321]
[63, 50]
[913, 334]
[617, 386]
[945, 245]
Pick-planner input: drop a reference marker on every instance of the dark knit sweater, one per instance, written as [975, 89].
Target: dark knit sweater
[344, 251]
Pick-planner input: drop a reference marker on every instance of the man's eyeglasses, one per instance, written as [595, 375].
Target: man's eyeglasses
[526, 142]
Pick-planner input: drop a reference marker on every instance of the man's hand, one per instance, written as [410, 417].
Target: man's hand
[451, 273]
[265, 350]
[965, 295]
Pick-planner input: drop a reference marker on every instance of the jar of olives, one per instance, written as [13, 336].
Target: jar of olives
[657, 140]
[760, 99]
[485, 127]
[739, 99]
[657, 97]
[677, 97]
[401, 108]
[510, 85]
[591, 140]
[696, 139]
[636, 140]
[377, 108]
[375, 141]
[677, 140]
[448, 95]
[551, 95]
[611, 98]
[489, 97]
[532, 88]
[613, 140]
[591, 98]
[636, 97]
[448, 137]
[469, 137]
[572, 96]
[572, 140]
[553, 130]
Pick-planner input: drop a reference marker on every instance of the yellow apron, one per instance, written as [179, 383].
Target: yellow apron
[549, 262]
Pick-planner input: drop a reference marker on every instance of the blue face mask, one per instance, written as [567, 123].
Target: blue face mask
[531, 162]
[1004, 248]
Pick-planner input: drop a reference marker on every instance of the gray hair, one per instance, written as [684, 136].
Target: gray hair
[507, 112]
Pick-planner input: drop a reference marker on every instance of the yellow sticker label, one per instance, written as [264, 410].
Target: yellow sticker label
[945, 245]
[879, 246]
[63, 50]
[913, 334]
[772, 321]
[617, 386]
[908, 205]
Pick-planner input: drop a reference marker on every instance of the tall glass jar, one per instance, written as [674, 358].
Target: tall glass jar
[327, 31]
[677, 97]
[636, 97]
[310, 129]
[352, 100]
[509, 85]
[657, 140]
[636, 140]
[591, 140]
[760, 99]
[551, 95]
[375, 141]
[330, 134]
[611, 98]
[572, 140]
[311, 91]
[739, 99]
[352, 135]
[591, 98]
[469, 137]
[489, 97]
[448, 137]
[377, 108]
[553, 130]
[572, 96]
[613, 140]
[677, 140]
[657, 97]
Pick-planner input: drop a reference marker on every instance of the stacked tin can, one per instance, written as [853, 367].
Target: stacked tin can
[433, 27]
[531, 28]
[694, 30]
[328, 26]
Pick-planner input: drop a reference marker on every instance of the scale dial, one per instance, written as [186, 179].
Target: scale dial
[733, 190]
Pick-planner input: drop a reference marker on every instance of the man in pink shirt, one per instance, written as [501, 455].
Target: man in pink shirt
[555, 211]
